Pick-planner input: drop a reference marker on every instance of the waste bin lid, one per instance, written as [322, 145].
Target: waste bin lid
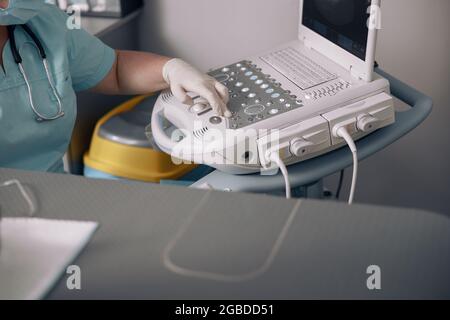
[128, 128]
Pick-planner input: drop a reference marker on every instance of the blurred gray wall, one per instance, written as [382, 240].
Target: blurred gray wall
[413, 45]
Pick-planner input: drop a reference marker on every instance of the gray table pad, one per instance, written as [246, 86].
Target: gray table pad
[166, 242]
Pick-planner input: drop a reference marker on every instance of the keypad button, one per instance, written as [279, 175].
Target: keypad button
[264, 86]
[270, 90]
[215, 120]
[251, 95]
[253, 78]
[274, 111]
[245, 89]
[248, 73]
[275, 95]
[239, 84]
[258, 82]
[226, 69]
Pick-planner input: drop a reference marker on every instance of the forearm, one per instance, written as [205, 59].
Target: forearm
[142, 73]
[134, 73]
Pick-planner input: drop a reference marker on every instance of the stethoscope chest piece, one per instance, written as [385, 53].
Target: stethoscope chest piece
[18, 59]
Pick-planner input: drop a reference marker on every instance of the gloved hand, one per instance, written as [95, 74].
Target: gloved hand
[184, 78]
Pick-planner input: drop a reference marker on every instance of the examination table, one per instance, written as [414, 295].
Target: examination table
[166, 242]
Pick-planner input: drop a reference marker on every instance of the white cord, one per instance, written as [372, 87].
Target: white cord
[343, 133]
[24, 194]
[275, 157]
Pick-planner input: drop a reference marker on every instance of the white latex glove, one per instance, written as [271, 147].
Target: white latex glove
[183, 78]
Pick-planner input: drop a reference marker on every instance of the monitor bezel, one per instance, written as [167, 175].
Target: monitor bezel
[362, 69]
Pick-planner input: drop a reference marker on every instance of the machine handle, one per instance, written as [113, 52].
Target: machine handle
[313, 170]
[163, 141]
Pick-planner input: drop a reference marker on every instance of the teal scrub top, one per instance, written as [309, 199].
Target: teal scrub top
[78, 61]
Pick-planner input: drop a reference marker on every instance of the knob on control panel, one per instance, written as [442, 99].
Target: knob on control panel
[215, 120]
[299, 147]
[366, 123]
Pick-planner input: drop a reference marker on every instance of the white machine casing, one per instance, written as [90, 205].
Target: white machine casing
[302, 133]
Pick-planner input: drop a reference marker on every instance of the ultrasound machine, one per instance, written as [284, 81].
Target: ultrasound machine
[292, 103]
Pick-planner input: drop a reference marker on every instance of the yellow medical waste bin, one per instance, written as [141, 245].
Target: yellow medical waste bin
[120, 148]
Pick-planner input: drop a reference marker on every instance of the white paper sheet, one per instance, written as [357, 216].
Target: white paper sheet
[34, 253]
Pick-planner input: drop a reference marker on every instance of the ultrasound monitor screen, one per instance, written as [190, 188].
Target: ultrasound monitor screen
[343, 22]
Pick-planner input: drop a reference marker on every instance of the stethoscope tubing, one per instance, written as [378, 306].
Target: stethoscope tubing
[19, 61]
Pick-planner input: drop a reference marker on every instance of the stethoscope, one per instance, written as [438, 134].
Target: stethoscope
[18, 59]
